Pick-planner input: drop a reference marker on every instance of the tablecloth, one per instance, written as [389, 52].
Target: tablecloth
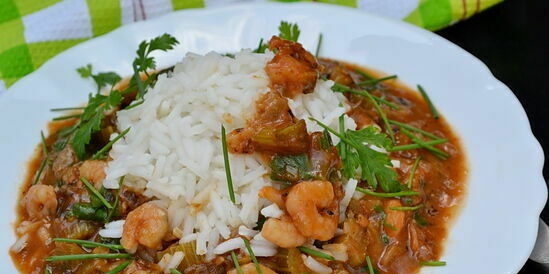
[33, 31]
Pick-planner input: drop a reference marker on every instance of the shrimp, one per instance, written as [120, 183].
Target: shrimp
[395, 218]
[40, 201]
[94, 171]
[145, 225]
[272, 194]
[314, 209]
[282, 233]
[249, 268]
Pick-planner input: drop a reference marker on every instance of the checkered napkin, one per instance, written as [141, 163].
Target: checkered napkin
[33, 31]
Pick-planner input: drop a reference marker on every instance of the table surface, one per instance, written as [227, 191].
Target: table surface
[512, 39]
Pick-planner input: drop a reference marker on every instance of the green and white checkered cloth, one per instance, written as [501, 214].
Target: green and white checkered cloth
[33, 31]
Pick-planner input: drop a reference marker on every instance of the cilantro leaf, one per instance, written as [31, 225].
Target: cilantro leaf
[288, 31]
[143, 62]
[91, 118]
[357, 155]
[101, 79]
[375, 166]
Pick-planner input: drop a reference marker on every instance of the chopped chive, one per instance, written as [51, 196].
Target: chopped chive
[318, 45]
[406, 208]
[342, 152]
[412, 128]
[47, 271]
[227, 165]
[376, 81]
[370, 266]
[116, 198]
[87, 256]
[260, 46]
[119, 267]
[413, 171]
[67, 109]
[364, 74]
[387, 195]
[86, 243]
[254, 259]
[96, 193]
[66, 117]
[175, 271]
[44, 159]
[383, 116]
[342, 88]
[99, 154]
[416, 146]
[429, 103]
[135, 104]
[315, 253]
[236, 264]
[433, 263]
[437, 152]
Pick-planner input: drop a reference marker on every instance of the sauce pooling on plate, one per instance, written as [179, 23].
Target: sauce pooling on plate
[376, 192]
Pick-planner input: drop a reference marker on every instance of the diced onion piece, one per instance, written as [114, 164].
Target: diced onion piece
[315, 265]
[349, 191]
[228, 245]
[338, 251]
[272, 211]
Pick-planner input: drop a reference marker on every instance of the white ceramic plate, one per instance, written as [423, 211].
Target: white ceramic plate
[496, 229]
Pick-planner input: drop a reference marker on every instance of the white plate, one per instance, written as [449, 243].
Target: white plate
[495, 231]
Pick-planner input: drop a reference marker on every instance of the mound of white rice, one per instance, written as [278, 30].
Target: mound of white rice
[173, 150]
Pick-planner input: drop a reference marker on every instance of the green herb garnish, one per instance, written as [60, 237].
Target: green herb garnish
[289, 31]
[89, 244]
[342, 88]
[236, 264]
[416, 146]
[96, 193]
[290, 168]
[86, 211]
[315, 253]
[387, 195]
[406, 208]
[101, 79]
[429, 103]
[373, 82]
[143, 63]
[100, 154]
[420, 220]
[375, 166]
[413, 171]
[318, 45]
[91, 118]
[87, 256]
[254, 259]
[261, 47]
[45, 158]
[119, 267]
[433, 263]
[437, 152]
[227, 164]
[175, 271]
[412, 128]
[370, 266]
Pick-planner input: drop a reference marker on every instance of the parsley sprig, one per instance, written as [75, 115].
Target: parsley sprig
[289, 31]
[143, 63]
[93, 113]
[375, 167]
